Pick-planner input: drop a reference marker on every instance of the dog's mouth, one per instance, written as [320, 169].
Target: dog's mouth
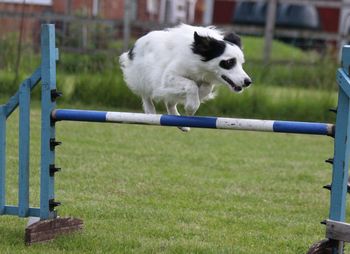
[232, 84]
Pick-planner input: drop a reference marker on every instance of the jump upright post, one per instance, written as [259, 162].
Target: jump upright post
[49, 225]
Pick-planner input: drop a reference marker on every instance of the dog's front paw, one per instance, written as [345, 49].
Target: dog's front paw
[185, 129]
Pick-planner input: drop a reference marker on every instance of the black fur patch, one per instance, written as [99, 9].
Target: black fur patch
[228, 64]
[131, 53]
[234, 39]
[207, 47]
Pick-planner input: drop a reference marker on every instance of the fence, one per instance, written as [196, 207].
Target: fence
[82, 31]
[269, 30]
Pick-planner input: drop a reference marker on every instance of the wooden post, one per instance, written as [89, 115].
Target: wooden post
[2, 158]
[269, 29]
[208, 12]
[84, 29]
[343, 26]
[341, 147]
[65, 28]
[126, 27]
[48, 87]
[49, 225]
[95, 8]
[23, 149]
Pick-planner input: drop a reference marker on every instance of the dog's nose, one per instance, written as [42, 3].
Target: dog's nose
[247, 82]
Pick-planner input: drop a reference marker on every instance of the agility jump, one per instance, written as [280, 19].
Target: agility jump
[194, 121]
[50, 225]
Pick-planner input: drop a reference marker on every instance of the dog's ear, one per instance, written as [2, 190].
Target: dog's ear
[207, 47]
[201, 41]
[234, 39]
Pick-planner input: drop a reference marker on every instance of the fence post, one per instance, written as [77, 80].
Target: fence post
[343, 27]
[2, 158]
[269, 29]
[23, 148]
[126, 24]
[208, 13]
[341, 147]
[48, 80]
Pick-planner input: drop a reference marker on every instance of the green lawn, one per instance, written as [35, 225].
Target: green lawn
[142, 189]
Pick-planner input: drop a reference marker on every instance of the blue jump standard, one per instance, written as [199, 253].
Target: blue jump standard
[194, 121]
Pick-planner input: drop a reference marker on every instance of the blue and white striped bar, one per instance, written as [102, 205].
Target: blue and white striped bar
[194, 121]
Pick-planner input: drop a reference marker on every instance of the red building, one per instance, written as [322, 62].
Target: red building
[11, 13]
[33, 12]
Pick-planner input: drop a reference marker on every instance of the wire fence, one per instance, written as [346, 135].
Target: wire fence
[81, 31]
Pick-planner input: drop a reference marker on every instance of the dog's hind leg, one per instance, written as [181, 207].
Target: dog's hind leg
[148, 105]
[172, 110]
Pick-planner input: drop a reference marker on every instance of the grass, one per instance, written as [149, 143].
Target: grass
[142, 189]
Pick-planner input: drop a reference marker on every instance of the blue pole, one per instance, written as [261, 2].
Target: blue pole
[2, 158]
[194, 121]
[48, 81]
[24, 139]
[341, 147]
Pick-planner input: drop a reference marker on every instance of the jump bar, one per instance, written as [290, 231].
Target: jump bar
[194, 121]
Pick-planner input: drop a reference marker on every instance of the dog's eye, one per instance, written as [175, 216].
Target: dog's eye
[228, 64]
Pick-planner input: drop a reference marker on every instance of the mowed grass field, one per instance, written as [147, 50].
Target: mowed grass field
[148, 189]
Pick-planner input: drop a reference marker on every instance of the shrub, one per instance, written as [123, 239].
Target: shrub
[107, 89]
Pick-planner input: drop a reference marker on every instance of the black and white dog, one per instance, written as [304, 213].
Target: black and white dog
[180, 65]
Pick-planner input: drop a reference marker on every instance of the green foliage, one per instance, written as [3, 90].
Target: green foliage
[254, 46]
[271, 102]
[7, 86]
[297, 68]
[9, 52]
[107, 89]
[98, 36]
[280, 91]
[317, 76]
[93, 64]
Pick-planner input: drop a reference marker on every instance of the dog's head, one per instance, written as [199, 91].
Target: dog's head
[224, 59]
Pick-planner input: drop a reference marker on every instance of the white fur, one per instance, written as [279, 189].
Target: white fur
[164, 68]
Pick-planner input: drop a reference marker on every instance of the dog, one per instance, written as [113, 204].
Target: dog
[180, 65]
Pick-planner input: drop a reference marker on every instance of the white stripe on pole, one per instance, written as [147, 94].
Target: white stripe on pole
[244, 124]
[120, 117]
